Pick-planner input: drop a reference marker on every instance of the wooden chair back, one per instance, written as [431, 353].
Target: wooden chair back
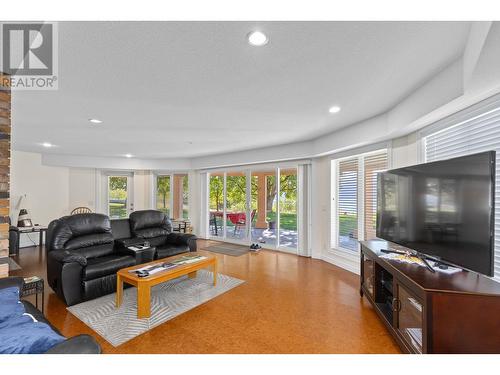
[81, 210]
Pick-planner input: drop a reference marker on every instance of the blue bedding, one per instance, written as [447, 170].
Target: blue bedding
[19, 332]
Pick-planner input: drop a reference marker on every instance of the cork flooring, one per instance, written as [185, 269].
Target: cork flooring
[288, 304]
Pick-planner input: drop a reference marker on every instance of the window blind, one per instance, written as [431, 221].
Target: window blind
[372, 165]
[348, 204]
[469, 136]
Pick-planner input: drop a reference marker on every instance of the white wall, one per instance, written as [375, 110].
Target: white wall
[115, 163]
[46, 189]
[82, 188]
[404, 151]
[143, 190]
[196, 202]
[320, 207]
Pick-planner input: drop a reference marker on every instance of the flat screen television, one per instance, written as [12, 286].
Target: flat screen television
[443, 209]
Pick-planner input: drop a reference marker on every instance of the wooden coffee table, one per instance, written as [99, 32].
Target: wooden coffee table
[144, 284]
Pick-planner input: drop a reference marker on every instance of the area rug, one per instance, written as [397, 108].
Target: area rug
[13, 266]
[228, 249]
[168, 300]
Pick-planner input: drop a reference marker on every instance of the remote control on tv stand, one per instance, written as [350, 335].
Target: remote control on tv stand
[393, 251]
[427, 265]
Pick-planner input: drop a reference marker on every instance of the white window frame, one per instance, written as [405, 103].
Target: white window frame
[155, 186]
[105, 190]
[334, 240]
[154, 199]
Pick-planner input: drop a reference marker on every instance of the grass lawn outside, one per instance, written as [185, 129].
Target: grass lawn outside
[288, 221]
[348, 225]
[117, 210]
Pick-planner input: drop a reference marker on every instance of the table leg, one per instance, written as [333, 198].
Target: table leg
[143, 301]
[215, 272]
[192, 275]
[43, 298]
[119, 290]
[41, 239]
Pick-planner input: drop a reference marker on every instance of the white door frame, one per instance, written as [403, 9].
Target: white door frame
[171, 199]
[130, 190]
[278, 214]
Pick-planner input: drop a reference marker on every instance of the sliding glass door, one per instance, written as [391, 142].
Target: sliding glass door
[265, 204]
[216, 205]
[288, 208]
[236, 206]
[255, 206]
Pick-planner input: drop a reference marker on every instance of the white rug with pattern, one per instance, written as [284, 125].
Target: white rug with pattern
[168, 300]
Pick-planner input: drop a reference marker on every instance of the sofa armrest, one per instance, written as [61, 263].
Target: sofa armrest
[81, 344]
[11, 281]
[64, 275]
[64, 256]
[183, 239]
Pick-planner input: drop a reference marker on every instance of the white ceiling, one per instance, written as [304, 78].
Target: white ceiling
[187, 89]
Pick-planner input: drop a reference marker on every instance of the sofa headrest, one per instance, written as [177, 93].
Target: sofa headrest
[94, 228]
[90, 223]
[147, 219]
[88, 240]
[120, 228]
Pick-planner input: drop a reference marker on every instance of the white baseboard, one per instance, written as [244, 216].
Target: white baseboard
[345, 261]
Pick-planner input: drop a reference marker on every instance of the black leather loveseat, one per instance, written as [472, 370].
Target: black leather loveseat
[81, 344]
[85, 251]
[156, 228]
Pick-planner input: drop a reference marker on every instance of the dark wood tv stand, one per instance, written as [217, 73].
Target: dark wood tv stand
[431, 312]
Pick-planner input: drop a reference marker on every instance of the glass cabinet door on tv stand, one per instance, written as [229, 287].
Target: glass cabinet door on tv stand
[368, 276]
[409, 318]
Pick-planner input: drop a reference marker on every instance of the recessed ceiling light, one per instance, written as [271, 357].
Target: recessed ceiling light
[95, 121]
[47, 144]
[128, 155]
[334, 109]
[257, 38]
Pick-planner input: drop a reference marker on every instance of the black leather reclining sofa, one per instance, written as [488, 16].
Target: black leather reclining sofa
[85, 251]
